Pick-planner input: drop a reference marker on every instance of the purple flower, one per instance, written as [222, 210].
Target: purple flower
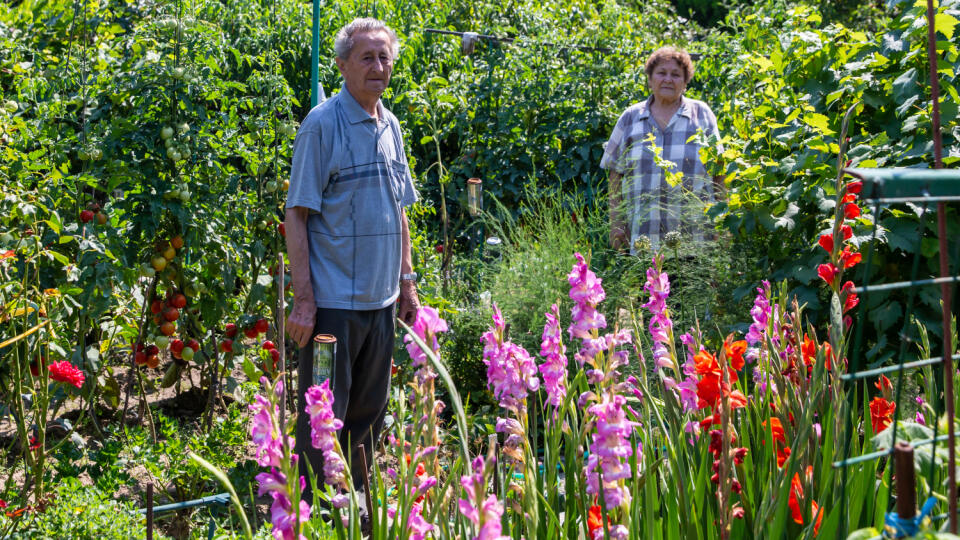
[483, 511]
[284, 517]
[919, 418]
[585, 286]
[609, 451]
[323, 433]
[554, 367]
[426, 327]
[511, 372]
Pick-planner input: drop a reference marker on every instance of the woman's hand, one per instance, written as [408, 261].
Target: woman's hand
[618, 238]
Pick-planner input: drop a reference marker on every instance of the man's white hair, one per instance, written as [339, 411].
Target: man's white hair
[343, 43]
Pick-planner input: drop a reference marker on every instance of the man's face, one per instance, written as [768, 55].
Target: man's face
[367, 70]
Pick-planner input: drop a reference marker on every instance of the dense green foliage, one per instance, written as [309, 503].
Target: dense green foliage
[88, 88]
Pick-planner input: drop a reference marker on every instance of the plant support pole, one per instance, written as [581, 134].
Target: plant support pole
[944, 271]
[316, 94]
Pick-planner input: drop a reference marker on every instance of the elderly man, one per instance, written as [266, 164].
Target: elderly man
[348, 241]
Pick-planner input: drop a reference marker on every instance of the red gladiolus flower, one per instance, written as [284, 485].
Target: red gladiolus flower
[881, 413]
[706, 364]
[735, 352]
[65, 372]
[796, 493]
[850, 298]
[808, 351]
[8, 254]
[884, 385]
[846, 231]
[851, 211]
[848, 198]
[33, 443]
[826, 242]
[782, 455]
[854, 187]
[828, 272]
[850, 259]
[594, 519]
[3, 503]
[776, 430]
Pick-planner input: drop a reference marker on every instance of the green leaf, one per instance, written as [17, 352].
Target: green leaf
[905, 84]
[945, 23]
[225, 482]
[819, 122]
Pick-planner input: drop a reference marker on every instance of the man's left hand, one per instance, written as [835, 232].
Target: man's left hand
[408, 304]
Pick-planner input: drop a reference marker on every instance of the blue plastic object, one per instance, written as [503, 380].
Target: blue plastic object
[898, 527]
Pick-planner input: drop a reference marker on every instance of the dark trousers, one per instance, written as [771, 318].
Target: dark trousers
[361, 382]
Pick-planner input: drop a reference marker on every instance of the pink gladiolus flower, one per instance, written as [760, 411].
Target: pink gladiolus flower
[585, 286]
[323, 433]
[483, 512]
[511, 372]
[609, 450]
[426, 327]
[554, 367]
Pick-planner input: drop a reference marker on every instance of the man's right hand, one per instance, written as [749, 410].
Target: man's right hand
[300, 322]
[618, 238]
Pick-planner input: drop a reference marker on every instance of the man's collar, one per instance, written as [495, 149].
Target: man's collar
[355, 113]
[686, 108]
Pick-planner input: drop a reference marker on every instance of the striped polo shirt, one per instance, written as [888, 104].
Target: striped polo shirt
[351, 172]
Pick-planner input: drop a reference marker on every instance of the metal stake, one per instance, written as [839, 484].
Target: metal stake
[150, 511]
[906, 480]
[944, 270]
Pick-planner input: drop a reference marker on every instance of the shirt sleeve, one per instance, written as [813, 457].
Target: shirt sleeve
[310, 168]
[613, 149]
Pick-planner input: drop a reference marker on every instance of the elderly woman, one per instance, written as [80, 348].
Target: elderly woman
[645, 201]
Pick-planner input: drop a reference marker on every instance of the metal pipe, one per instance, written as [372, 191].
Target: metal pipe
[507, 39]
[890, 369]
[907, 284]
[944, 270]
[150, 511]
[315, 57]
[906, 480]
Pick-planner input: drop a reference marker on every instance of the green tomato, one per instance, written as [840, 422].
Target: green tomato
[262, 169]
[271, 186]
[10, 106]
[183, 128]
[185, 152]
[176, 156]
[168, 143]
[162, 341]
[171, 151]
[172, 194]
[187, 354]
[147, 271]
[184, 196]
[95, 154]
[166, 132]
[83, 155]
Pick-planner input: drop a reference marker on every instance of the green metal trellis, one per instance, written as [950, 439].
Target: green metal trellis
[884, 187]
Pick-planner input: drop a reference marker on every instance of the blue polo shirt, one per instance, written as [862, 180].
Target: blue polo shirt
[351, 172]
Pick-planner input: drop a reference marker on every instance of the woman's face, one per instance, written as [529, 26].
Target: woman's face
[667, 81]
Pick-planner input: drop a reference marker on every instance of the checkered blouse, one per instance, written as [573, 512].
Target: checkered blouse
[653, 206]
